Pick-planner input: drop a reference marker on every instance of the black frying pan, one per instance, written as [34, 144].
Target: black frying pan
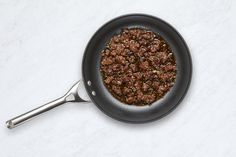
[98, 92]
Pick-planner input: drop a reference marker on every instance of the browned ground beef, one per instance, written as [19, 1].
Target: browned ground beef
[138, 66]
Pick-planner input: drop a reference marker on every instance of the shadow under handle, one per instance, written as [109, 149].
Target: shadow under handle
[33, 113]
[71, 96]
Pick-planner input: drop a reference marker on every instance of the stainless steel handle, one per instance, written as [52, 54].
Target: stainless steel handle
[30, 114]
[71, 96]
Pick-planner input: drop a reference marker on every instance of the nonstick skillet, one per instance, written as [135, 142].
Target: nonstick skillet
[98, 93]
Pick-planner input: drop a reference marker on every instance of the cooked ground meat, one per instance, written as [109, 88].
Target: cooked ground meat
[138, 66]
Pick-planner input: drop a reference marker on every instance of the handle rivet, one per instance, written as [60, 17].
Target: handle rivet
[93, 93]
[89, 83]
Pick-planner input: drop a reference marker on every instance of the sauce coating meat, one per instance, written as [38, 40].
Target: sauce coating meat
[138, 66]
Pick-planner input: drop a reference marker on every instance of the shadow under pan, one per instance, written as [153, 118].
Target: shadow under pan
[99, 93]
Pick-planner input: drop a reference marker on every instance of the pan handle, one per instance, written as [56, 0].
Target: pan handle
[71, 96]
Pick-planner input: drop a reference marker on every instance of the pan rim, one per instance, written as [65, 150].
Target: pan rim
[187, 53]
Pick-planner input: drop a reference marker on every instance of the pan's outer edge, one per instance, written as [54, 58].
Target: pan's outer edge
[190, 64]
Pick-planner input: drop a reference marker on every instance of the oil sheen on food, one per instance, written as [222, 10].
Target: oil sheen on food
[138, 66]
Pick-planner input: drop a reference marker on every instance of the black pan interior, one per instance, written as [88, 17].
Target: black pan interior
[105, 101]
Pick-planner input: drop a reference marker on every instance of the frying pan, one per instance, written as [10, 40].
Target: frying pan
[98, 93]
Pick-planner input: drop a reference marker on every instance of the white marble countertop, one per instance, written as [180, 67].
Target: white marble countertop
[41, 48]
